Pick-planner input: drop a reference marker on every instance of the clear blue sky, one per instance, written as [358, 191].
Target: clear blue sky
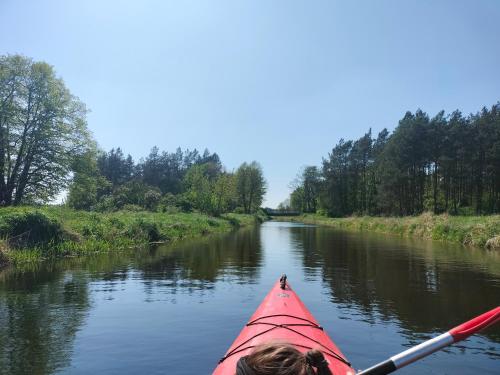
[279, 82]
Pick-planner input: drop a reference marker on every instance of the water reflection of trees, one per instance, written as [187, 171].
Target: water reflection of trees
[198, 264]
[427, 286]
[43, 305]
[40, 313]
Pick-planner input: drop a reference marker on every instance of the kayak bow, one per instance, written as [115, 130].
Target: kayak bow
[283, 317]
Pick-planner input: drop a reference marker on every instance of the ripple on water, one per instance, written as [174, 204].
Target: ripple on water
[151, 311]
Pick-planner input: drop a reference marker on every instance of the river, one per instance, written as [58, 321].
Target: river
[176, 309]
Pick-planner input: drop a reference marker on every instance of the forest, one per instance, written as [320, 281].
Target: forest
[165, 182]
[449, 163]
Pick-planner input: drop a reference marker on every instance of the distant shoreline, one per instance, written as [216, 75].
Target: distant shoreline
[479, 231]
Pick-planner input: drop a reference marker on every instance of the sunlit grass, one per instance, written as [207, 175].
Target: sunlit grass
[468, 230]
[79, 232]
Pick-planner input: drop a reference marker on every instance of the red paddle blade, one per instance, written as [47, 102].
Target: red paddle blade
[422, 350]
[477, 324]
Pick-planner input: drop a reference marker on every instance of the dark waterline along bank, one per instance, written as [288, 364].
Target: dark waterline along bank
[480, 231]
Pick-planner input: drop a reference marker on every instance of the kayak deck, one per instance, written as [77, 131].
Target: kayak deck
[282, 317]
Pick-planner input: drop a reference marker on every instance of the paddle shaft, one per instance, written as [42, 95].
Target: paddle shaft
[422, 350]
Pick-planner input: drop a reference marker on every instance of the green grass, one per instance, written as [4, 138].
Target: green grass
[467, 230]
[30, 234]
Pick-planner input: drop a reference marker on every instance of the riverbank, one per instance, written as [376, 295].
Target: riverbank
[31, 234]
[481, 231]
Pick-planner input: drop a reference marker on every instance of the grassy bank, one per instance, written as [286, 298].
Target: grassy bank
[483, 231]
[31, 234]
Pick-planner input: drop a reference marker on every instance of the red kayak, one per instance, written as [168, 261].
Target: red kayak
[283, 317]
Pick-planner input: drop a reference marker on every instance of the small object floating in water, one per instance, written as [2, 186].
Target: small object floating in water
[282, 317]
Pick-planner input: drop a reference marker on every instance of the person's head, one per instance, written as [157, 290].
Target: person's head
[282, 359]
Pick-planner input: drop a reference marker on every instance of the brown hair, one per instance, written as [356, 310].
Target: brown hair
[284, 359]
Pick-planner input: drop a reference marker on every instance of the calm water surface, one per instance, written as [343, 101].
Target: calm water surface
[175, 310]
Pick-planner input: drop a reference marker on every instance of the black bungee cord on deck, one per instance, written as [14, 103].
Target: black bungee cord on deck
[313, 358]
[288, 326]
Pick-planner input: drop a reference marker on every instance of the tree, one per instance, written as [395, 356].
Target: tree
[306, 191]
[152, 199]
[250, 186]
[115, 167]
[444, 164]
[297, 201]
[404, 165]
[285, 205]
[42, 130]
[135, 192]
[166, 170]
[224, 193]
[434, 140]
[198, 188]
[360, 163]
[88, 185]
[335, 173]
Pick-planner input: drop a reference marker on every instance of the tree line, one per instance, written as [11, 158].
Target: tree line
[165, 181]
[446, 163]
[46, 148]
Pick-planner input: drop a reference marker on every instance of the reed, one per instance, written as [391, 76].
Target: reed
[30, 234]
[467, 230]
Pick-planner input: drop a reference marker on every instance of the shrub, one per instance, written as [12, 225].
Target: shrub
[28, 229]
[106, 203]
[184, 203]
[168, 203]
[142, 229]
[132, 208]
[213, 223]
[152, 199]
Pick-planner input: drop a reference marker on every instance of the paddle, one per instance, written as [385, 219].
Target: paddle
[422, 350]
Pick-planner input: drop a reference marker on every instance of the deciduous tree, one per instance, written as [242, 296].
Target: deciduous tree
[42, 130]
